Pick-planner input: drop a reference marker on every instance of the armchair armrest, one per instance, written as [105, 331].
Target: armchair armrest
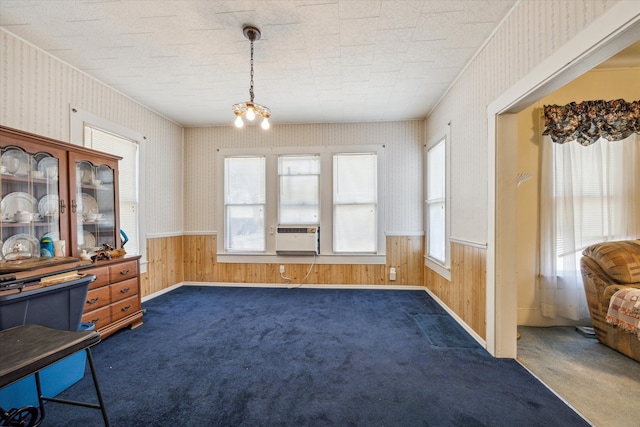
[612, 289]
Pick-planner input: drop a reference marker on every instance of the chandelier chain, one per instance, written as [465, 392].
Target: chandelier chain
[251, 85]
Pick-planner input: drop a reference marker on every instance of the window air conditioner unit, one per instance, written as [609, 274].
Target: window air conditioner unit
[297, 240]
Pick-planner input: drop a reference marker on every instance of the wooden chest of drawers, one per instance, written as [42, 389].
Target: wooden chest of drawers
[113, 300]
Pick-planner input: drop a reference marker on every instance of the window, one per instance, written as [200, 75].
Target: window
[437, 211]
[336, 188]
[79, 121]
[244, 204]
[128, 178]
[355, 194]
[299, 190]
[589, 194]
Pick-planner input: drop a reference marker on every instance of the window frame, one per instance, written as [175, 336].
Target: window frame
[228, 205]
[441, 268]
[281, 177]
[326, 205]
[78, 119]
[352, 202]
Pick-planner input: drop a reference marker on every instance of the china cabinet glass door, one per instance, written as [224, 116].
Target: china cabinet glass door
[94, 206]
[32, 203]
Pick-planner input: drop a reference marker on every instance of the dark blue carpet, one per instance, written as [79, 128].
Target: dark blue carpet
[306, 357]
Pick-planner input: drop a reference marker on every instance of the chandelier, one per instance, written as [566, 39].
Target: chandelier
[250, 109]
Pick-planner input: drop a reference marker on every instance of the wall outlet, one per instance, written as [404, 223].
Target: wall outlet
[392, 273]
[282, 269]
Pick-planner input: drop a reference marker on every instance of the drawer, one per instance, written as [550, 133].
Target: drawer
[102, 276]
[124, 308]
[124, 271]
[122, 290]
[100, 317]
[97, 298]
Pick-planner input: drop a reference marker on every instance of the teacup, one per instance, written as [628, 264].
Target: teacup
[94, 217]
[3, 169]
[37, 174]
[23, 216]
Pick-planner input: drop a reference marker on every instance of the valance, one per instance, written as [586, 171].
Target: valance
[589, 121]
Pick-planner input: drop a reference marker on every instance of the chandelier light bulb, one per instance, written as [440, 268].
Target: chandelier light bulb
[265, 124]
[251, 114]
[239, 123]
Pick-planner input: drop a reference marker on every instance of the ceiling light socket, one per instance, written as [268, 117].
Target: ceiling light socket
[251, 33]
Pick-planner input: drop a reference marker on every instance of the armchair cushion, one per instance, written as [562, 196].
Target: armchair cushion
[620, 260]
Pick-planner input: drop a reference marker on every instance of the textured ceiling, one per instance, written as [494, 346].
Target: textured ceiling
[317, 60]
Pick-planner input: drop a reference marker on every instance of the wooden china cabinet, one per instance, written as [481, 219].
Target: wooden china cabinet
[56, 191]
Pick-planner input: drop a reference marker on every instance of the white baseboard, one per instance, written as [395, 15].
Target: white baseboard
[162, 292]
[458, 319]
[304, 285]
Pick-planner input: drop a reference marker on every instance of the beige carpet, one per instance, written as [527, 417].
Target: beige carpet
[601, 384]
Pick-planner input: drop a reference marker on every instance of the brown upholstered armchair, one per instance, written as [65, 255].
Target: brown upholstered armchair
[606, 268]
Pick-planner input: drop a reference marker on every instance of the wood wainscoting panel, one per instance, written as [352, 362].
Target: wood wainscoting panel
[199, 255]
[144, 284]
[465, 294]
[164, 264]
[404, 253]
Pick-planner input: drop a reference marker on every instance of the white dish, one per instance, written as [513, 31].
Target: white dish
[88, 241]
[89, 204]
[49, 205]
[25, 163]
[18, 201]
[49, 166]
[25, 242]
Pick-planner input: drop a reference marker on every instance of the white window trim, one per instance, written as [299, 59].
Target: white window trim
[443, 269]
[326, 207]
[77, 120]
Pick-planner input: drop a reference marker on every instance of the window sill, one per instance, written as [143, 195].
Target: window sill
[438, 268]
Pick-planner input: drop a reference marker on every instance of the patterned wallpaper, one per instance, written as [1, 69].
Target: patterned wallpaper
[530, 33]
[36, 91]
[403, 164]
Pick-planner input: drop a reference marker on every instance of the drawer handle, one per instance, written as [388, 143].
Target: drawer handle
[124, 290]
[94, 321]
[123, 272]
[126, 308]
[93, 300]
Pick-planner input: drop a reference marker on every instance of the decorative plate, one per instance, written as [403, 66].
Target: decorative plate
[89, 204]
[45, 164]
[23, 242]
[88, 241]
[48, 206]
[18, 201]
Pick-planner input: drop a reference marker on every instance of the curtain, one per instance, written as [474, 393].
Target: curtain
[590, 193]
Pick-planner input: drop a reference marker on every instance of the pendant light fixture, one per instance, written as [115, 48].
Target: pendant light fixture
[249, 109]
